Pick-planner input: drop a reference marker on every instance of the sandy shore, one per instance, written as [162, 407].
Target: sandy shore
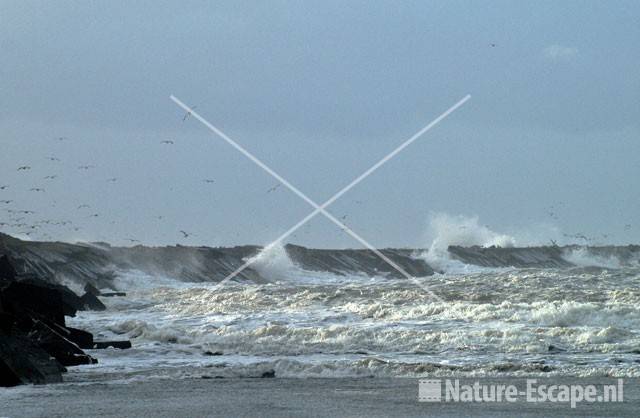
[279, 398]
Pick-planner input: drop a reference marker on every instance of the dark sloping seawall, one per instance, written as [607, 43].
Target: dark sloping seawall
[97, 263]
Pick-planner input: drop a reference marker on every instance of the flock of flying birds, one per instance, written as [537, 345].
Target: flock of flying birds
[552, 212]
[24, 222]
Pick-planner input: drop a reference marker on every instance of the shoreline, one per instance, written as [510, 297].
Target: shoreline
[355, 397]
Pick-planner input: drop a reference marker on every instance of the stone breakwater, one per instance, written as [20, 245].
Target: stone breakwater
[97, 263]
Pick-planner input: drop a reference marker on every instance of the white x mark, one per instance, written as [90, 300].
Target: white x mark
[321, 208]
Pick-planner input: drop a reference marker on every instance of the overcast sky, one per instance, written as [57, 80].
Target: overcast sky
[548, 145]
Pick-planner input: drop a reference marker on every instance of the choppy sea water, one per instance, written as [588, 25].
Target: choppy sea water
[577, 322]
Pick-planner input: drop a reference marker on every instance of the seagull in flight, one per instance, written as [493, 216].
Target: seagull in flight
[209, 181]
[86, 167]
[186, 234]
[53, 159]
[167, 142]
[24, 167]
[4, 187]
[274, 188]
[61, 138]
[6, 202]
[50, 177]
[83, 206]
[186, 115]
[36, 189]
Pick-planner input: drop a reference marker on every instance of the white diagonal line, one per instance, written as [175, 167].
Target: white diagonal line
[277, 241]
[318, 208]
[239, 147]
[397, 150]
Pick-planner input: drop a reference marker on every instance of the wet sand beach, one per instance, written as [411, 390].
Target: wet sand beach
[283, 398]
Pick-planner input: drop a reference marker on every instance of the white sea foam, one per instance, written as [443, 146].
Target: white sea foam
[273, 263]
[447, 230]
[491, 323]
[582, 257]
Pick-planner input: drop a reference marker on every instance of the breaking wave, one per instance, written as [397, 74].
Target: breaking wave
[448, 230]
[273, 263]
[497, 322]
[583, 257]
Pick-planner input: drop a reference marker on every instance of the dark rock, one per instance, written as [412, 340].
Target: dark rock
[269, 374]
[90, 302]
[537, 257]
[7, 272]
[34, 342]
[71, 302]
[65, 351]
[22, 362]
[7, 322]
[82, 338]
[22, 299]
[7, 376]
[114, 344]
[346, 261]
[554, 349]
[89, 288]
[112, 294]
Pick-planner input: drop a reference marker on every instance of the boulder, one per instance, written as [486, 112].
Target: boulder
[22, 362]
[112, 294]
[7, 322]
[71, 302]
[90, 302]
[7, 272]
[22, 299]
[89, 288]
[65, 351]
[82, 338]
[35, 345]
[113, 344]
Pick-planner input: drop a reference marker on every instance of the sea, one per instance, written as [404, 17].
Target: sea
[582, 321]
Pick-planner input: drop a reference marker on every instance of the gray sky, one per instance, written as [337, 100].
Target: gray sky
[549, 143]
